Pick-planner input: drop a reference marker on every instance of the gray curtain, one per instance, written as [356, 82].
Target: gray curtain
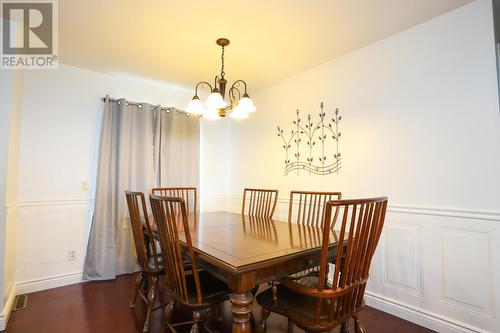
[177, 150]
[137, 143]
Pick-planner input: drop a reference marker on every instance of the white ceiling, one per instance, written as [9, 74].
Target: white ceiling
[174, 40]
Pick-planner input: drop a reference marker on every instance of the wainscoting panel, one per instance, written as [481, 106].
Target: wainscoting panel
[464, 269]
[402, 257]
[46, 234]
[433, 266]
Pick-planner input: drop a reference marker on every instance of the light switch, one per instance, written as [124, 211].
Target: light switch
[84, 186]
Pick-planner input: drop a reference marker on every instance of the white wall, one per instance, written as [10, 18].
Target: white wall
[421, 124]
[215, 163]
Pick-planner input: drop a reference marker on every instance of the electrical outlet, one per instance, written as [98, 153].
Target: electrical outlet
[71, 255]
[84, 186]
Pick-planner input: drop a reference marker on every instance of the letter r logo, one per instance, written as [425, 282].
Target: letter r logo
[27, 27]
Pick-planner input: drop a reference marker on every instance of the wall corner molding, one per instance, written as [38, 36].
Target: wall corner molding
[7, 309]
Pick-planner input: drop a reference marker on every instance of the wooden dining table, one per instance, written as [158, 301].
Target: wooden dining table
[245, 251]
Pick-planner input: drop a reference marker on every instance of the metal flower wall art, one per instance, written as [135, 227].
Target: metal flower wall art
[313, 146]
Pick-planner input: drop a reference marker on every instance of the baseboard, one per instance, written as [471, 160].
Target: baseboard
[419, 316]
[7, 308]
[48, 283]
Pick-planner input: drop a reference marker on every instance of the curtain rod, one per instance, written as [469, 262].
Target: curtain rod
[139, 104]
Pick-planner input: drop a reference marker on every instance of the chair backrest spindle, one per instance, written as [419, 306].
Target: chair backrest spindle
[309, 208]
[189, 194]
[261, 202]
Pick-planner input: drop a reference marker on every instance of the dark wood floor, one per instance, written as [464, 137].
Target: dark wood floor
[102, 307]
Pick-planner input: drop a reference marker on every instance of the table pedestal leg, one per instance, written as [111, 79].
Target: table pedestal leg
[242, 307]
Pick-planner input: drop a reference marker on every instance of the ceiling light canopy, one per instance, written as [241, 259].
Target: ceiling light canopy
[215, 106]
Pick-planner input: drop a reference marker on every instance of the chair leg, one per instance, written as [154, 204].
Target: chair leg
[274, 288]
[137, 285]
[218, 312]
[197, 317]
[344, 328]
[151, 302]
[262, 324]
[358, 325]
[167, 316]
[290, 326]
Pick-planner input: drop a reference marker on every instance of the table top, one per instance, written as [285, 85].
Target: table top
[239, 241]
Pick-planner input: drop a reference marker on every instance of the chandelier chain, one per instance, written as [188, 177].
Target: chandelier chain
[222, 73]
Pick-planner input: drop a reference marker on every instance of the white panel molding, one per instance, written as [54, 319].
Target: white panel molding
[486, 272]
[473, 214]
[48, 283]
[489, 215]
[55, 202]
[49, 229]
[434, 321]
[12, 205]
[417, 287]
[7, 308]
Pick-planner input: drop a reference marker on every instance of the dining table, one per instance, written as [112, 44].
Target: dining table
[244, 251]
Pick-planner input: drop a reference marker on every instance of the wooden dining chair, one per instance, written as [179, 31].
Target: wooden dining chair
[189, 194]
[320, 303]
[148, 259]
[308, 208]
[199, 291]
[261, 202]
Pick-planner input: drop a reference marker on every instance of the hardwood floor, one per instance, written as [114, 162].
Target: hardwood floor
[100, 307]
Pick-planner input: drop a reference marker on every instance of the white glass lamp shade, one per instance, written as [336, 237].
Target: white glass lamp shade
[196, 107]
[215, 101]
[246, 104]
[238, 113]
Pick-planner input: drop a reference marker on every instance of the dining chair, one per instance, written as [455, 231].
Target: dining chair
[189, 194]
[199, 291]
[308, 208]
[148, 259]
[261, 202]
[320, 303]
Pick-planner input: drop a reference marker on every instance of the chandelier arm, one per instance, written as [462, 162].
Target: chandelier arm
[216, 80]
[201, 83]
[232, 94]
[238, 81]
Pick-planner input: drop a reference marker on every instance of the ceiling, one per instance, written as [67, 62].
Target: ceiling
[174, 40]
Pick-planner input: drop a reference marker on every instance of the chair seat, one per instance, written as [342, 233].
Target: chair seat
[298, 307]
[213, 290]
[313, 271]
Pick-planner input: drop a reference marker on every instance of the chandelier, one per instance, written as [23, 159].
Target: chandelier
[215, 106]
